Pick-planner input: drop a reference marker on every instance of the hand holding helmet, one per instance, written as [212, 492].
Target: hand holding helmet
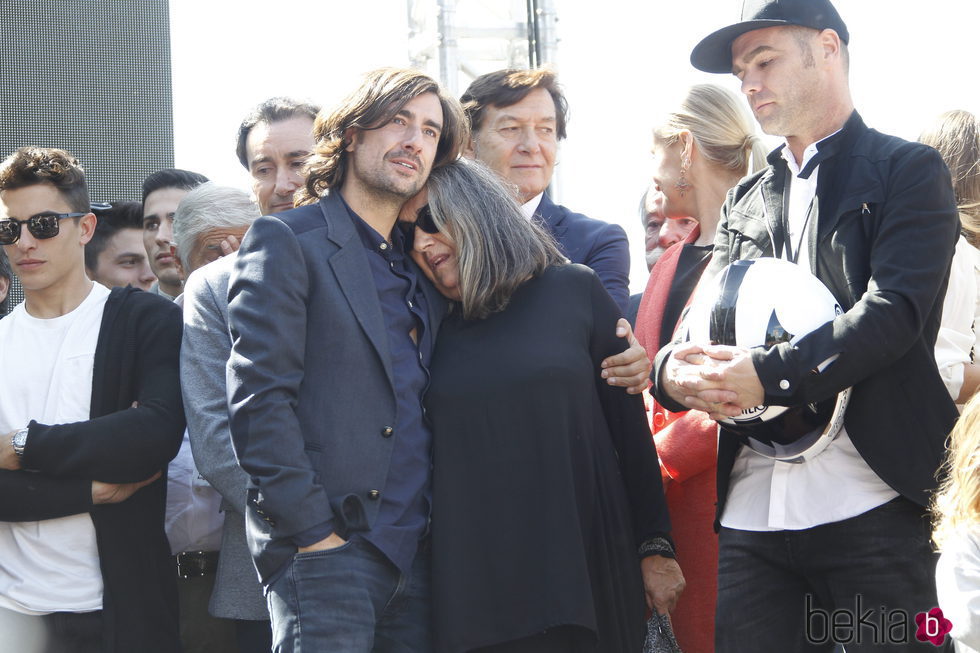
[751, 304]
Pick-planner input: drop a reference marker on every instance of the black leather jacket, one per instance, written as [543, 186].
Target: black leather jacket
[886, 229]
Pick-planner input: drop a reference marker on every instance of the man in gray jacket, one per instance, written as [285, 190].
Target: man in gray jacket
[206, 218]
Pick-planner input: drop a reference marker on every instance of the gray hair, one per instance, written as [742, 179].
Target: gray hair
[497, 247]
[208, 207]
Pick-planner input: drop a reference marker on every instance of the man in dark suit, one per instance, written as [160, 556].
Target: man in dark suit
[332, 331]
[517, 118]
[873, 217]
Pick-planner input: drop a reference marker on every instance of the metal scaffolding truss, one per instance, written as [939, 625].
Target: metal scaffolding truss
[458, 40]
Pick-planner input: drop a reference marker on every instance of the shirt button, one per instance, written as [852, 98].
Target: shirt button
[383, 246]
[410, 304]
[784, 385]
[387, 432]
[374, 495]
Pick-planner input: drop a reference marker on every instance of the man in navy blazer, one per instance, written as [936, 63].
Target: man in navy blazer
[517, 118]
[332, 327]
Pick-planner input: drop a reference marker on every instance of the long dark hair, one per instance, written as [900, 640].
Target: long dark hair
[383, 94]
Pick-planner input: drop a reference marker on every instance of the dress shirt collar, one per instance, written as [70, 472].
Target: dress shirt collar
[531, 206]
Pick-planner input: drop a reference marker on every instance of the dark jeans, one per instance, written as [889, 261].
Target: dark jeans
[351, 599]
[859, 582]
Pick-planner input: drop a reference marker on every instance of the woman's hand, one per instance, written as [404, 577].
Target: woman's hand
[663, 582]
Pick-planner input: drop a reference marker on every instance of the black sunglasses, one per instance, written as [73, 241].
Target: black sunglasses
[42, 226]
[423, 220]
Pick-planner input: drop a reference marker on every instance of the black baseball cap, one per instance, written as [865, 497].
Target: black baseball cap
[714, 53]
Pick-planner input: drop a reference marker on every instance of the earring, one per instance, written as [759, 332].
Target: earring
[682, 184]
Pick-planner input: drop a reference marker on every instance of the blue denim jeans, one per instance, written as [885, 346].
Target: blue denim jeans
[857, 582]
[351, 599]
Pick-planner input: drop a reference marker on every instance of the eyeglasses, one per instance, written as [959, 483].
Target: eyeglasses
[42, 226]
[423, 220]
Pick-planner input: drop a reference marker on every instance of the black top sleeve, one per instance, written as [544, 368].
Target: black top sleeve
[628, 427]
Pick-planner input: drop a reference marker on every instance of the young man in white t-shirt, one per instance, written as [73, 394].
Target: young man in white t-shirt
[90, 414]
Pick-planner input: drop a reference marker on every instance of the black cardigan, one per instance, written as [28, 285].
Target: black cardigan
[136, 360]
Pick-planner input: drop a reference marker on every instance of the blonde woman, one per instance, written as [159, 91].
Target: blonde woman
[956, 135]
[956, 511]
[701, 150]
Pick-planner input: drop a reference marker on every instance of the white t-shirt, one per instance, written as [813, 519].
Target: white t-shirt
[46, 373]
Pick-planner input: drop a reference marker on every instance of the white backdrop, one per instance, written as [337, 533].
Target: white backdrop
[622, 65]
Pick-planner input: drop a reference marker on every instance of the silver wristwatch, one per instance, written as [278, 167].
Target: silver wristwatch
[18, 441]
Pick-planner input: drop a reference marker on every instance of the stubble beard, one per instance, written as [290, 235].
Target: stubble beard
[386, 186]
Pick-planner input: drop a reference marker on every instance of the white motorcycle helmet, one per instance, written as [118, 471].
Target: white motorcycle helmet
[761, 303]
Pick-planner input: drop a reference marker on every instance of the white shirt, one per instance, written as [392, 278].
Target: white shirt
[958, 588]
[957, 338]
[194, 518]
[531, 206]
[46, 370]
[193, 521]
[768, 495]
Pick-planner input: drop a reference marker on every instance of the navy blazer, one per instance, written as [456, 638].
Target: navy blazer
[310, 390]
[597, 244]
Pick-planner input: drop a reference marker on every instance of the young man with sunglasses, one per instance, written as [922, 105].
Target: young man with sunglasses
[90, 414]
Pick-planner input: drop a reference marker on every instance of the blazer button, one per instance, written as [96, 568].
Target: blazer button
[374, 495]
[387, 432]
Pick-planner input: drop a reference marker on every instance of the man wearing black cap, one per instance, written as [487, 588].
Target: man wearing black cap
[873, 217]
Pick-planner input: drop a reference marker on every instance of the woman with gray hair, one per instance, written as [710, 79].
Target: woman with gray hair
[549, 516]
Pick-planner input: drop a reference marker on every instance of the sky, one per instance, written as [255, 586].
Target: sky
[622, 65]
